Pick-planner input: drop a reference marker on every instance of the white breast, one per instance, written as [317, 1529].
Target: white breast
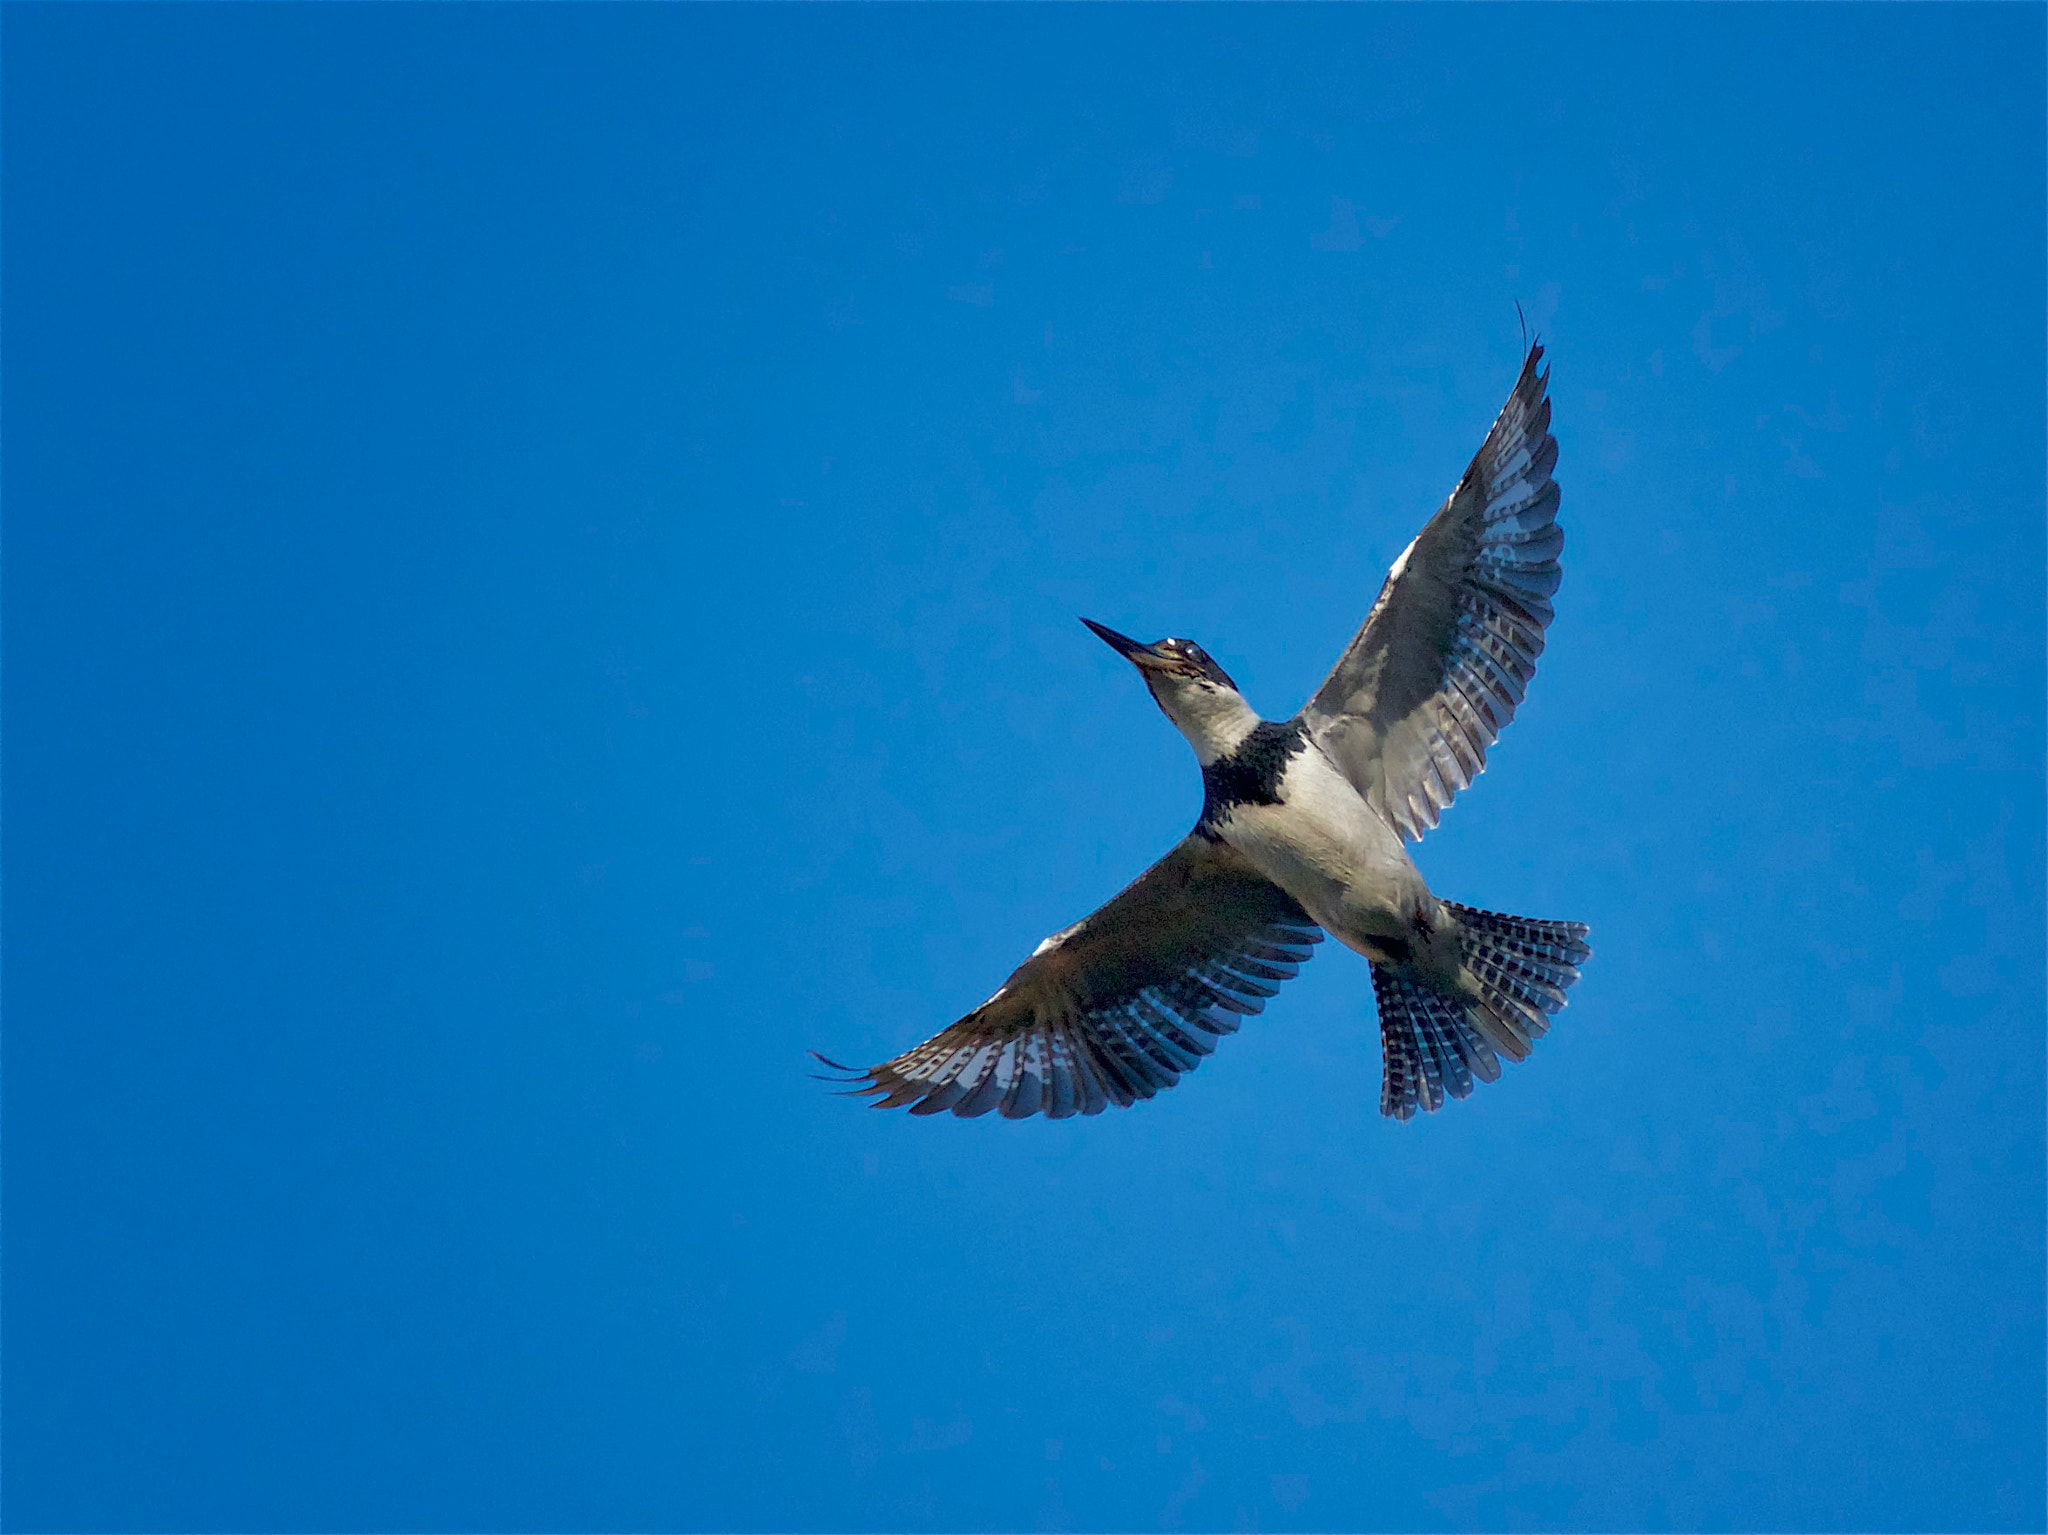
[1324, 846]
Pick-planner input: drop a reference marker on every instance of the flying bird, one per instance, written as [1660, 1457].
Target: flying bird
[1302, 833]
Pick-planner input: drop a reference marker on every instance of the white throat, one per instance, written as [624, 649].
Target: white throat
[1213, 718]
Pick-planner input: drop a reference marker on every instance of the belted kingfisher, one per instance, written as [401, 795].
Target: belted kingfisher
[1301, 833]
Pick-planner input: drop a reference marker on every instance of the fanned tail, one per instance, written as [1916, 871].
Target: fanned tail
[1431, 1050]
[1516, 971]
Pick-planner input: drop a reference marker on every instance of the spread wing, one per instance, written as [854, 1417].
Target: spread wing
[1119, 1005]
[1436, 672]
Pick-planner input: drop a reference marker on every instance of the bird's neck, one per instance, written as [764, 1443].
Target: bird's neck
[1214, 721]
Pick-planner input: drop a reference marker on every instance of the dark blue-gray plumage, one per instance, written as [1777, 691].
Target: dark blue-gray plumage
[1301, 832]
[1250, 773]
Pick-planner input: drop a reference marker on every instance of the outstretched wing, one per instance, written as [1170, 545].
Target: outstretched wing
[1436, 672]
[1119, 1005]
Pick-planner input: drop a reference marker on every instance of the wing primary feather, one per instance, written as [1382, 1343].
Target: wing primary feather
[987, 1093]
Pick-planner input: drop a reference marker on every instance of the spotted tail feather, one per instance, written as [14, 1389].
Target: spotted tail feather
[1516, 971]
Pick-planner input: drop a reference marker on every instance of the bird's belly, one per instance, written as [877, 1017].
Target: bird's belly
[1326, 848]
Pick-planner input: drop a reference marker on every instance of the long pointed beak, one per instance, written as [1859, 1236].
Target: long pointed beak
[1124, 645]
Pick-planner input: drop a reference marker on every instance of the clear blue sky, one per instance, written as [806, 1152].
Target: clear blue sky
[542, 555]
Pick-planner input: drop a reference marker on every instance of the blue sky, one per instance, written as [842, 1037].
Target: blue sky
[542, 556]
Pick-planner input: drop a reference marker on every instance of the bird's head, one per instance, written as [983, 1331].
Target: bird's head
[1193, 691]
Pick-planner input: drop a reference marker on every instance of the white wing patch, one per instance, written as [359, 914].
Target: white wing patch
[1047, 945]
